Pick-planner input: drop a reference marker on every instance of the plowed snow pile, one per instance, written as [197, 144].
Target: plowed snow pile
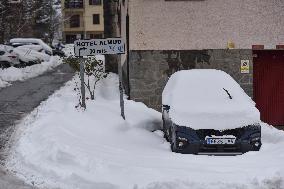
[20, 74]
[58, 146]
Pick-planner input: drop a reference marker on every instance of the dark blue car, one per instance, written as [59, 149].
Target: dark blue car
[207, 112]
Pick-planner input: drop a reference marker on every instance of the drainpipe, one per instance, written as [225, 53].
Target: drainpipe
[84, 19]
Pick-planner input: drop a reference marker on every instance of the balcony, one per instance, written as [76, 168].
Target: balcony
[75, 4]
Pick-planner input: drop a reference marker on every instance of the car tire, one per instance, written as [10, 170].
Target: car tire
[4, 65]
[21, 65]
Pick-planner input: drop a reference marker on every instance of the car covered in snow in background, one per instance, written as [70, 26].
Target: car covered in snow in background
[29, 56]
[32, 43]
[21, 56]
[207, 112]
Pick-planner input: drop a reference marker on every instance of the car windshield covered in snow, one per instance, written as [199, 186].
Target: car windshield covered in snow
[206, 111]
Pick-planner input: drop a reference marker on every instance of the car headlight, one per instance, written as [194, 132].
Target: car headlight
[255, 139]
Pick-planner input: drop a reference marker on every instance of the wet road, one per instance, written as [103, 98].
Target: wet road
[21, 98]
[18, 100]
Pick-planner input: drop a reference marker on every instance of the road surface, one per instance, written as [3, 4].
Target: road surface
[18, 100]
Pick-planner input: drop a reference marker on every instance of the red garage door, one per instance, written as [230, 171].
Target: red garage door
[268, 75]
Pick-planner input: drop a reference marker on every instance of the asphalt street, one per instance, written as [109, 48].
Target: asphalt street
[18, 100]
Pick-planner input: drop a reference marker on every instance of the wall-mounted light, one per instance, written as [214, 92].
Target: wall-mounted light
[230, 44]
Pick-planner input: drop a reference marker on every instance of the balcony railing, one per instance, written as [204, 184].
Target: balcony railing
[74, 4]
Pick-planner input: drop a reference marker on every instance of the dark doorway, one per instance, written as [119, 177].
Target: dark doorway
[268, 74]
[70, 38]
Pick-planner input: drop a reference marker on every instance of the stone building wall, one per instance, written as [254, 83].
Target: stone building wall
[149, 70]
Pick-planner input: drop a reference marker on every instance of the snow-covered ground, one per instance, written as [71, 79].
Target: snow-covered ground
[58, 146]
[20, 74]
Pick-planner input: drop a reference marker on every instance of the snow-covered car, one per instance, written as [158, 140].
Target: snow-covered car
[207, 112]
[8, 57]
[29, 57]
[16, 42]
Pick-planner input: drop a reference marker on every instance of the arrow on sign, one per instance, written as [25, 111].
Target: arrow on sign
[83, 48]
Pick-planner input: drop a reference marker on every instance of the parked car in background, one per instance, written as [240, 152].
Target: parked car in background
[29, 56]
[8, 57]
[16, 42]
[207, 112]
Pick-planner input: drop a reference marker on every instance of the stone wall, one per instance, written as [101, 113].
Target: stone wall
[150, 70]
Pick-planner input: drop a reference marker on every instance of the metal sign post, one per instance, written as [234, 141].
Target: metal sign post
[82, 70]
[121, 88]
[94, 47]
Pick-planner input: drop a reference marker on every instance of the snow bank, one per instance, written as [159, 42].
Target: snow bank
[69, 49]
[3, 83]
[61, 147]
[19, 74]
[197, 99]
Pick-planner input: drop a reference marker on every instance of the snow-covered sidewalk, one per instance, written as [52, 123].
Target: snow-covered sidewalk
[59, 146]
[20, 74]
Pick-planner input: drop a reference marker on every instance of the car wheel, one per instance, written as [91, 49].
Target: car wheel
[21, 65]
[30, 63]
[4, 65]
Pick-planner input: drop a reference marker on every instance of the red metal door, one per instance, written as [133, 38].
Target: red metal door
[268, 84]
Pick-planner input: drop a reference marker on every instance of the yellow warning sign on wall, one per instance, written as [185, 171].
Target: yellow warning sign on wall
[244, 66]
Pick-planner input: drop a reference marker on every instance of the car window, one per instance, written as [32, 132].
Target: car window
[2, 53]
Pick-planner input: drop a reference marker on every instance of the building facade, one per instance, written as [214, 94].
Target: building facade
[83, 19]
[170, 35]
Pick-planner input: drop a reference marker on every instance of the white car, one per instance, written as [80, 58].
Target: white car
[8, 57]
[31, 42]
[29, 56]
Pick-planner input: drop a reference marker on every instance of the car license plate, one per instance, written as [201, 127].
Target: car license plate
[215, 140]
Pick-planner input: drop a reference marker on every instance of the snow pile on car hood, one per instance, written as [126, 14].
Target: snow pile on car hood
[59, 146]
[198, 99]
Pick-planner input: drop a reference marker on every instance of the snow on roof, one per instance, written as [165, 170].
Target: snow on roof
[32, 40]
[198, 99]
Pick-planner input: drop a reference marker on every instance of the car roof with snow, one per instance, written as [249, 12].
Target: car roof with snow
[208, 99]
